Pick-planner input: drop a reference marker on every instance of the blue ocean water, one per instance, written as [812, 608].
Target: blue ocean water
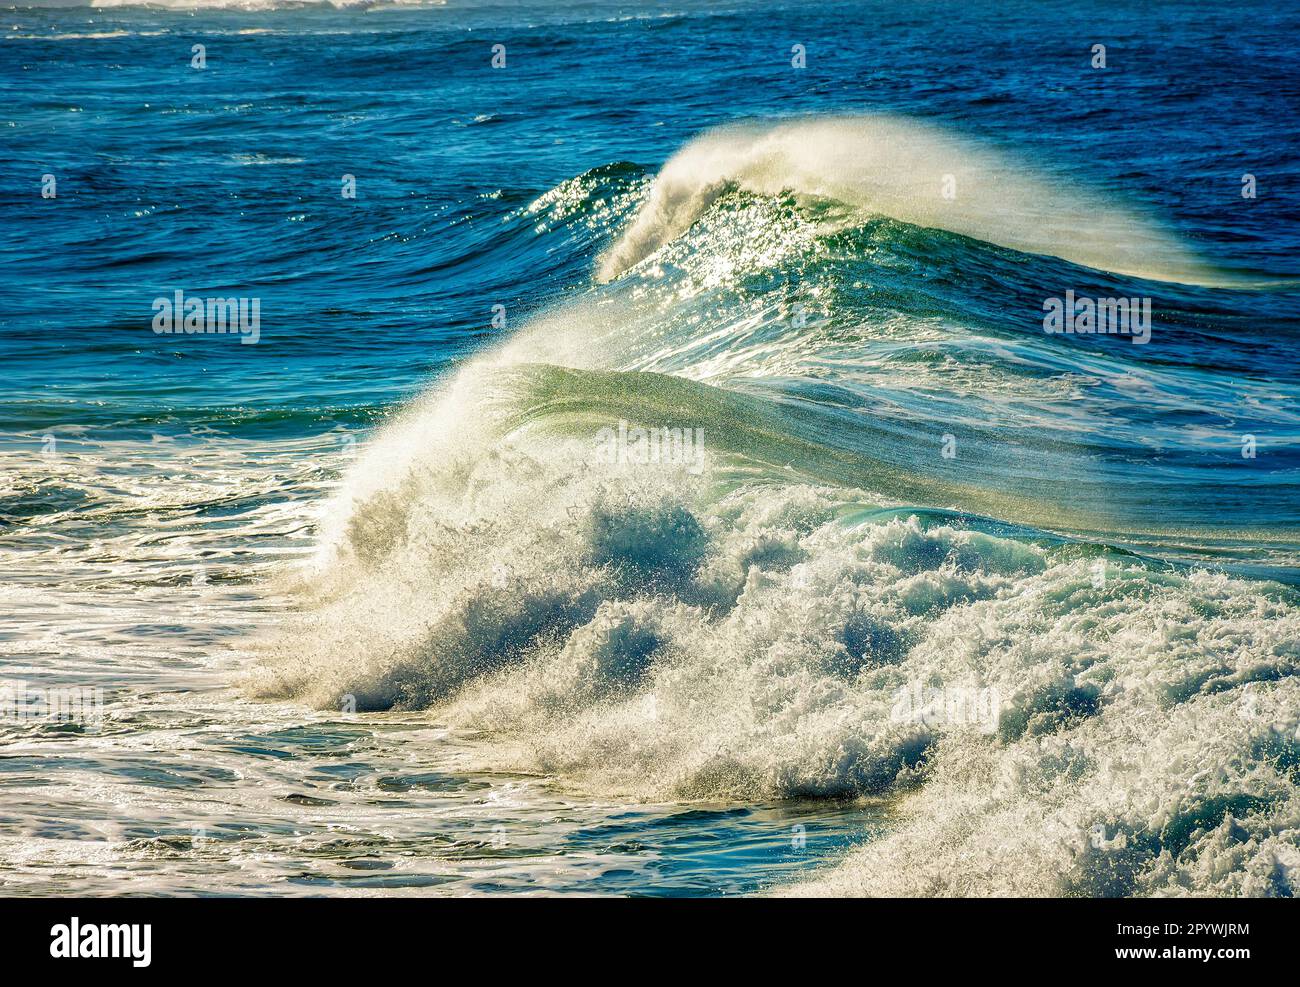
[363, 604]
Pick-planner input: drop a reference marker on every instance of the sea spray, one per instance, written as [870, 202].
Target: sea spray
[910, 171]
[745, 630]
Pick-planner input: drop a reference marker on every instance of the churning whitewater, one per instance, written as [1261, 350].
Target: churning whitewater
[893, 489]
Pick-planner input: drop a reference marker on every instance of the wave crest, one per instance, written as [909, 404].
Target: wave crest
[899, 168]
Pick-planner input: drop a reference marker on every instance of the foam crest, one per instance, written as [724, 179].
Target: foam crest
[899, 168]
[656, 635]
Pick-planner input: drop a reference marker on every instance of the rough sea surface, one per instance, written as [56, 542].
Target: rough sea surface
[913, 598]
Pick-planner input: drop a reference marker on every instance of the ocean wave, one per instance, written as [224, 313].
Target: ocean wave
[901, 168]
[644, 634]
[794, 592]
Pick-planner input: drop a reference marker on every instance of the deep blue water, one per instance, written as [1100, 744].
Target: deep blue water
[228, 179]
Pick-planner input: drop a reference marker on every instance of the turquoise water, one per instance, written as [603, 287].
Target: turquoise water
[396, 599]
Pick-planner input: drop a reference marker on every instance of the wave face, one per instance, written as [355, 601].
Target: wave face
[901, 168]
[880, 535]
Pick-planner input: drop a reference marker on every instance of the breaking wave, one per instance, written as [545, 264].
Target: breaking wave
[912, 172]
[898, 488]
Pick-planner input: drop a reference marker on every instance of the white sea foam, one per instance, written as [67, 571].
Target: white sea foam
[1153, 795]
[899, 167]
[734, 629]
[642, 633]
